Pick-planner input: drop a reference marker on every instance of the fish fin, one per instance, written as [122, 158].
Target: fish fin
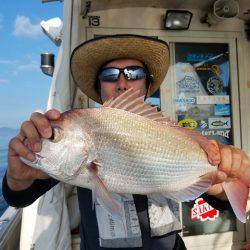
[101, 195]
[237, 193]
[191, 192]
[131, 101]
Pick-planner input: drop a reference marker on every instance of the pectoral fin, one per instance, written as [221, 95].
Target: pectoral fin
[100, 193]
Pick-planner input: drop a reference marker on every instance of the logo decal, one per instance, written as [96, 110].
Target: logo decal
[214, 85]
[188, 84]
[222, 109]
[224, 133]
[203, 211]
[203, 123]
[189, 100]
[188, 123]
[214, 99]
[219, 122]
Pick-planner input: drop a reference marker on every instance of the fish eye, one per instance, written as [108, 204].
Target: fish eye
[57, 134]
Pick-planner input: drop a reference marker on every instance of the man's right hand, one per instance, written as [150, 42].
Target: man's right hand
[19, 175]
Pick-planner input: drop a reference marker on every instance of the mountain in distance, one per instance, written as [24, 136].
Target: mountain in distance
[8, 131]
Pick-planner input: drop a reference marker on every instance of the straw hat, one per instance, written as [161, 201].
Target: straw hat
[87, 59]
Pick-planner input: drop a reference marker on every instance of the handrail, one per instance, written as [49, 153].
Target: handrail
[10, 228]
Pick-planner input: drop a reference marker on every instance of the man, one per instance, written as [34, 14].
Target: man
[104, 68]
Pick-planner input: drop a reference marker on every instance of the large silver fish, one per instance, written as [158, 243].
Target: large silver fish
[126, 146]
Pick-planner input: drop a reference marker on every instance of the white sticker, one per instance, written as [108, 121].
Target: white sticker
[212, 99]
[225, 133]
[219, 122]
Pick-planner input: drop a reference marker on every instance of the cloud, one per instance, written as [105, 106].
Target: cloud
[31, 66]
[23, 27]
[16, 67]
[8, 62]
[2, 81]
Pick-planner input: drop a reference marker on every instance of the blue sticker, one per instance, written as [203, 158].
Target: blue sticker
[198, 57]
[222, 109]
[203, 123]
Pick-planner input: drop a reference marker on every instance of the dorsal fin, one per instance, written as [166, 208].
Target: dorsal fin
[132, 102]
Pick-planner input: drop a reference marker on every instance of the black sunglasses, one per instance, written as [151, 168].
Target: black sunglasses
[130, 73]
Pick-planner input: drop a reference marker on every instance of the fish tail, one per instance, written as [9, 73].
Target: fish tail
[237, 192]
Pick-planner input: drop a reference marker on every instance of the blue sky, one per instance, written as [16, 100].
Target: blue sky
[23, 87]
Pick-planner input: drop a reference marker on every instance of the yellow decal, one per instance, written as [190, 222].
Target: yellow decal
[188, 123]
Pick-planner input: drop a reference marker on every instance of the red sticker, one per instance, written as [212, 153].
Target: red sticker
[203, 211]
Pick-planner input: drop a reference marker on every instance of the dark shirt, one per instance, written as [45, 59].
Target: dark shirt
[89, 228]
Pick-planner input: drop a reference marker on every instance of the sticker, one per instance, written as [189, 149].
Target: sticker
[187, 100]
[224, 133]
[203, 211]
[197, 57]
[215, 99]
[189, 84]
[222, 109]
[219, 122]
[203, 123]
[214, 85]
[188, 123]
[216, 69]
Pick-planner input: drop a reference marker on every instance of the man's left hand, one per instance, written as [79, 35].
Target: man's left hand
[233, 163]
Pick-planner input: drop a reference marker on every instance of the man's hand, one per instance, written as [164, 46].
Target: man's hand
[233, 163]
[19, 175]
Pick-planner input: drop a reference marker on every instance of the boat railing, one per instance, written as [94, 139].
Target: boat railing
[10, 225]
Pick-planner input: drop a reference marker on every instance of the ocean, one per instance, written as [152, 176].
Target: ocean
[5, 135]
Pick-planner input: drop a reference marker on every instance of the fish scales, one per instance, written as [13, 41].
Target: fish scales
[112, 150]
[142, 152]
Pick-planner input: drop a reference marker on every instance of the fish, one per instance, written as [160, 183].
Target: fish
[128, 146]
[219, 123]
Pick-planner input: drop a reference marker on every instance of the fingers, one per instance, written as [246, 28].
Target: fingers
[17, 148]
[26, 143]
[53, 114]
[226, 159]
[29, 131]
[37, 126]
[214, 153]
[42, 125]
[216, 177]
[237, 165]
[233, 161]
[41, 121]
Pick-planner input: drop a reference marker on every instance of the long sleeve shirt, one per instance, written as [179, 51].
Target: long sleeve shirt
[89, 228]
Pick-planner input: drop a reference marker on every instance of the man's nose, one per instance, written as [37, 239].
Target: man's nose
[122, 83]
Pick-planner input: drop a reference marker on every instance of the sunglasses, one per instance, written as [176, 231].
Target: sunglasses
[131, 73]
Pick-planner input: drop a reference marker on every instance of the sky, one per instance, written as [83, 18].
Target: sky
[23, 86]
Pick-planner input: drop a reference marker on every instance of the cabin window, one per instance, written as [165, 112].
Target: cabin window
[201, 74]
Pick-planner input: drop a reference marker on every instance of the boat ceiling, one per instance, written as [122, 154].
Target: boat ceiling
[168, 4]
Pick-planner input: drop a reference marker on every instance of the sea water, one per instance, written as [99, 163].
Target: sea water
[5, 135]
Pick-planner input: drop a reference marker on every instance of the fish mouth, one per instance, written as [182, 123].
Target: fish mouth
[39, 158]
[36, 162]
